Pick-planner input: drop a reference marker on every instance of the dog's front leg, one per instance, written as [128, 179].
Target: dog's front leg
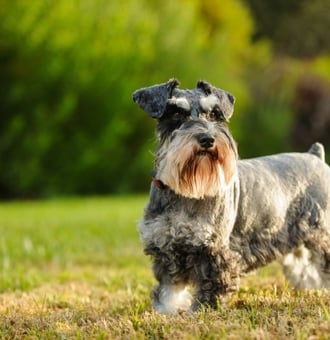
[215, 275]
[171, 295]
[171, 298]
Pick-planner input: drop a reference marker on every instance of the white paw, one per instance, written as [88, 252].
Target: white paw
[173, 299]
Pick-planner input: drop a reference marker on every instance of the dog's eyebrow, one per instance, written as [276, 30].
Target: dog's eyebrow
[207, 103]
[181, 102]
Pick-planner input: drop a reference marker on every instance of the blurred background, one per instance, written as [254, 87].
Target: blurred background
[68, 125]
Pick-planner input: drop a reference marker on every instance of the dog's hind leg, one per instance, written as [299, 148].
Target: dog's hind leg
[308, 266]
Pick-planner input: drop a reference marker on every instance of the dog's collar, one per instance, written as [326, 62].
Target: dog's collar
[157, 182]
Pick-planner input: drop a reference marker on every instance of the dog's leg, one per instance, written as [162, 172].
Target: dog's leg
[171, 295]
[308, 267]
[171, 298]
[215, 275]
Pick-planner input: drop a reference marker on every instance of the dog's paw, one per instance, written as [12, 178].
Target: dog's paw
[172, 299]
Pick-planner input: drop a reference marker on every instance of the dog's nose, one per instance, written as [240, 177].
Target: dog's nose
[205, 140]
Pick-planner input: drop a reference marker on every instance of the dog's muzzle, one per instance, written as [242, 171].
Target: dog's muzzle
[205, 140]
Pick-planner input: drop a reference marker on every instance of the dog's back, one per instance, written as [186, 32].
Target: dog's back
[285, 177]
[287, 192]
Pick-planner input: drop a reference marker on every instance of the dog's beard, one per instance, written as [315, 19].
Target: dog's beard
[196, 173]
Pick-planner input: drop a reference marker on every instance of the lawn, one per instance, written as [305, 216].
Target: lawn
[74, 268]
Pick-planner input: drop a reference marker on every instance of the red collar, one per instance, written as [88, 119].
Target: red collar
[157, 182]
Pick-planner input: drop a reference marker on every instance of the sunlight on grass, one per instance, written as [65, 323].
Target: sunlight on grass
[75, 268]
[47, 238]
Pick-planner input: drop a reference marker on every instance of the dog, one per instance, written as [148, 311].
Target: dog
[212, 217]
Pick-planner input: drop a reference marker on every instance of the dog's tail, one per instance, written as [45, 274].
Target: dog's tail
[317, 149]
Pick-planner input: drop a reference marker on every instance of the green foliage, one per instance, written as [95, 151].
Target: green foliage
[293, 37]
[268, 115]
[68, 70]
[296, 27]
[65, 100]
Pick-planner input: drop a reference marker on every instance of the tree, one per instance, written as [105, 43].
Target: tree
[68, 70]
[296, 27]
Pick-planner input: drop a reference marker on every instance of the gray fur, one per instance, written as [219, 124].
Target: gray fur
[275, 208]
[317, 149]
[155, 99]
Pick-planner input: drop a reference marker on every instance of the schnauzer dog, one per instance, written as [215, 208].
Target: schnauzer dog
[212, 217]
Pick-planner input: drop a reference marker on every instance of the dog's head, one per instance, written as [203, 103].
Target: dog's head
[197, 154]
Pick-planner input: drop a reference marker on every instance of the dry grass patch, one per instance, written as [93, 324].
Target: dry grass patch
[105, 310]
[82, 275]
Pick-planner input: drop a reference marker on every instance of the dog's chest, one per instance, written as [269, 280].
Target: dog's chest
[168, 230]
[171, 222]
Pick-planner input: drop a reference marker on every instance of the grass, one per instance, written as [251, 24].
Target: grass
[74, 269]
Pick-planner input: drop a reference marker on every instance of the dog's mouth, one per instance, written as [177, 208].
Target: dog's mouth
[208, 153]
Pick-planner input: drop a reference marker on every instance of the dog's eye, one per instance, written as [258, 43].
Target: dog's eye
[216, 114]
[179, 114]
[176, 113]
[212, 116]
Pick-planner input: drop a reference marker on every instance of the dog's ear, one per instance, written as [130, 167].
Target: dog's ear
[153, 99]
[226, 100]
[204, 86]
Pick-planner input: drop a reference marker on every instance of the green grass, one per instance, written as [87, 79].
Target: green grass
[74, 268]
